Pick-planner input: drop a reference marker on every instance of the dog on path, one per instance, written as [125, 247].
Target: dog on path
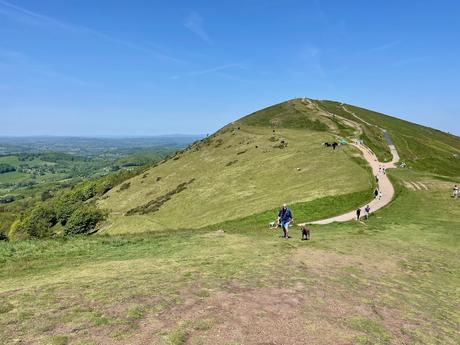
[305, 232]
[272, 225]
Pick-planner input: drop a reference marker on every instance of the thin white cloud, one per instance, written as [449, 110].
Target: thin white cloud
[24, 15]
[382, 47]
[210, 70]
[215, 69]
[194, 23]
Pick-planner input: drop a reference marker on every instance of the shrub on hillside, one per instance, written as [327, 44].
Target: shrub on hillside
[3, 236]
[37, 224]
[45, 195]
[124, 186]
[5, 168]
[64, 207]
[7, 199]
[84, 220]
[69, 207]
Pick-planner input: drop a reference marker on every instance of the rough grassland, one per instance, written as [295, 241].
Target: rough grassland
[422, 148]
[235, 173]
[393, 280]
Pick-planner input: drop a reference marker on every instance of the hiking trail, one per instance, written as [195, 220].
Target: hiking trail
[385, 185]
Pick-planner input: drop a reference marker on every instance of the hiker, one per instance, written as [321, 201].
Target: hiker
[380, 194]
[455, 192]
[384, 171]
[377, 178]
[376, 193]
[284, 218]
[367, 210]
[358, 213]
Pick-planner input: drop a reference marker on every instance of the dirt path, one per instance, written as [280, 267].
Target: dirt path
[385, 185]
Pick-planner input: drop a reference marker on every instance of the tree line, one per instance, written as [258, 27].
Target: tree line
[70, 212]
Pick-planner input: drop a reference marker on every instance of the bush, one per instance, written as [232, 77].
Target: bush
[16, 233]
[5, 168]
[7, 199]
[124, 186]
[37, 224]
[3, 236]
[84, 220]
[64, 207]
[45, 195]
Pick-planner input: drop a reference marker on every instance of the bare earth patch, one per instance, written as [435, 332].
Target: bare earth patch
[261, 316]
[326, 263]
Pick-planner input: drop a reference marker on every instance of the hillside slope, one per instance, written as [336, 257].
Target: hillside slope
[420, 147]
[272, 156]
[250, 166]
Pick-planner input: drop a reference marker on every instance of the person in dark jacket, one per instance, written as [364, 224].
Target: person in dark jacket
[358, 214]
[367, 210]
[284, 218]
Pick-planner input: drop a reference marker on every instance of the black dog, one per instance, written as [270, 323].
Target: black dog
[305, 232]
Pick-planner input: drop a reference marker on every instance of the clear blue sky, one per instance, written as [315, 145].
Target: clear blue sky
[107, 67]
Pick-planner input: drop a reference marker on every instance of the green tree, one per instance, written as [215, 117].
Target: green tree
[84, 220]
[39, 223]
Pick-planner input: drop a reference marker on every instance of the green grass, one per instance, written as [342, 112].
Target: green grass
[395, 278]
[372, 136]
[422, 148]
[260, 178]
[14, 160]
[14, 177]
[292, 114]
[391, 279]
[375, 332]
[303, 212]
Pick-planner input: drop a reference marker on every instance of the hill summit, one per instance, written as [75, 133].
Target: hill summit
[269, 157]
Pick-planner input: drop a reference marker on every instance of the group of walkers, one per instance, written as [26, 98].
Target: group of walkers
[285, 216]
[367, 211]
[377, 192]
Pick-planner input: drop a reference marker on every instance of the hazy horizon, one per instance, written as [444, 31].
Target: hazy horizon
[103, 136]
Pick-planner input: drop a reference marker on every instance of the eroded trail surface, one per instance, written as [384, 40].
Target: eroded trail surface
[385, 185]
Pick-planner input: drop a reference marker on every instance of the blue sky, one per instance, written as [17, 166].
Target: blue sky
[108, 67]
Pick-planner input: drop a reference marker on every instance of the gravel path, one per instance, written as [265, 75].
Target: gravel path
[385, 185]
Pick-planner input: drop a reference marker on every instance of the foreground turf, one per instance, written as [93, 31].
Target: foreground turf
[391, 280]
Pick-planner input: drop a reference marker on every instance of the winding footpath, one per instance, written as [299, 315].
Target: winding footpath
[385, 185]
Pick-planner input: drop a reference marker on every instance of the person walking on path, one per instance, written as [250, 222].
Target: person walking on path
[284, 218]
[367, 210]
[380, 195]
[358, 213]
[455, 192]
[376, 193]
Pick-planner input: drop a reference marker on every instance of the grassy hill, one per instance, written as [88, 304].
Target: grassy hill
[390, 280]
[272, 156]
[250, 166]
[422, 148]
